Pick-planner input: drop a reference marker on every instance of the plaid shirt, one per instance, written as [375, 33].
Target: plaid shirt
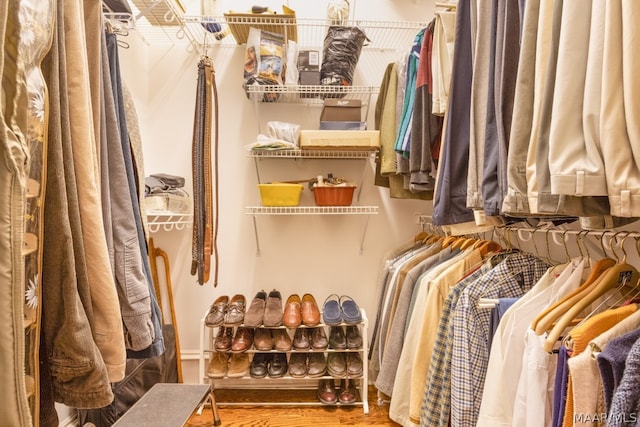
[470, 354]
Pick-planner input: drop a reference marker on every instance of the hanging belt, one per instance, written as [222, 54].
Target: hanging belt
[205, 230]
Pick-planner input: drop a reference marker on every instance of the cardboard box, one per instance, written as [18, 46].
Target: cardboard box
[343, 126]
[309, 60]
[340, 139]
[341, 110]
[284, 23]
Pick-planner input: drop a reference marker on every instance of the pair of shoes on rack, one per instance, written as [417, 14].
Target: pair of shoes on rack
[343, 365]
[264, 310]
[268, 339]
[338, 340]
[221, 364]
[238, 343]
[297, 311]
[272, 364]
[226, 311]
[307, 364]
[314, 338]
[346, 394]
[337, 310]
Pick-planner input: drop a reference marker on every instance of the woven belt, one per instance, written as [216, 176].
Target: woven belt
[205, 181]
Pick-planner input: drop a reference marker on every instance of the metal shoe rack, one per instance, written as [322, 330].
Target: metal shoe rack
[207, 338]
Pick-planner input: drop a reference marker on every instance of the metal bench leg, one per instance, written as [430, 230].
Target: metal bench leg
[214, 408]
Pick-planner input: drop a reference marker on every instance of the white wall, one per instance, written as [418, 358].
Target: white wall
[300, 254]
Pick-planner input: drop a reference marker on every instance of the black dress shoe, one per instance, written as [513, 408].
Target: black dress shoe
[348, 392]
[354, 339]
[327, 392]
[337, 338]
[259, 365]
[278, 365]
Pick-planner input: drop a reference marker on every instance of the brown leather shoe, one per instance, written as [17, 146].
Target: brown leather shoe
[292, 312]
[310, 310]
[354, 365]
[262, 339]
[354, 339]
[215, 316]
[348, 392]
[298, 365]
[255, 312]
[319, 339]
[223, 339]
[242, 340]
[337, 365]
[281, 340]
[327, 392]
[337, 338]
[235, 310]
[273, 309]
[317, 365]
[301, 339]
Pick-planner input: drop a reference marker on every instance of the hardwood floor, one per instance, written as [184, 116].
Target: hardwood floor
[290, 416]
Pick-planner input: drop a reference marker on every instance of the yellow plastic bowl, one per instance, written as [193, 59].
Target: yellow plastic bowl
[280, 194]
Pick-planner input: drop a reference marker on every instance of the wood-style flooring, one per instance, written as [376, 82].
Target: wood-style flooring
[290, 416]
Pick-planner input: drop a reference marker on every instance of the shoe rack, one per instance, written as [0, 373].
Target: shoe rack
[307, 385]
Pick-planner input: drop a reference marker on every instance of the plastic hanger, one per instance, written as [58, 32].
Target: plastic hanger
[621, 275]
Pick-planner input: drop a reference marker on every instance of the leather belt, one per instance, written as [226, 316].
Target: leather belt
[205, 216]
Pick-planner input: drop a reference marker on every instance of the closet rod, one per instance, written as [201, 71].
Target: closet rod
[555, 233]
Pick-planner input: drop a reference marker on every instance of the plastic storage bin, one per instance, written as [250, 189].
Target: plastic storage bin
[280, 194]
[333, 195]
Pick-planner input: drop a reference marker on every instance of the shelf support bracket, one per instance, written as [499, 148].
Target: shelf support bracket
[255, 232]
[364, 232]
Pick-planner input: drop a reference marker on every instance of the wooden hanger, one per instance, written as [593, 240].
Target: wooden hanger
[621, 275]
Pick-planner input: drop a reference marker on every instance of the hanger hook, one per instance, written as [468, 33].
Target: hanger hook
[621, 244]
[611, 246]
[566, 249]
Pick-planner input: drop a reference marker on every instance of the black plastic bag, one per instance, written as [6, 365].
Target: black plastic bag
[341, 51]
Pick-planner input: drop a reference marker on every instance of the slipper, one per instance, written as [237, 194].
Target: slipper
[350, 310]
[331, 313]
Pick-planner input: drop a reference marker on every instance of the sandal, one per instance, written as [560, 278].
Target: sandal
[350, 310]
[331, 312]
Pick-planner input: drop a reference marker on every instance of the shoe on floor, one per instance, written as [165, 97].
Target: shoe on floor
[327, 392]
[254, 314]
[348, 392]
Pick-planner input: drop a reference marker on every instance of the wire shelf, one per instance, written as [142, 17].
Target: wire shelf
[313, 154]
[168, 221]
[311, 210]
[382, 35]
